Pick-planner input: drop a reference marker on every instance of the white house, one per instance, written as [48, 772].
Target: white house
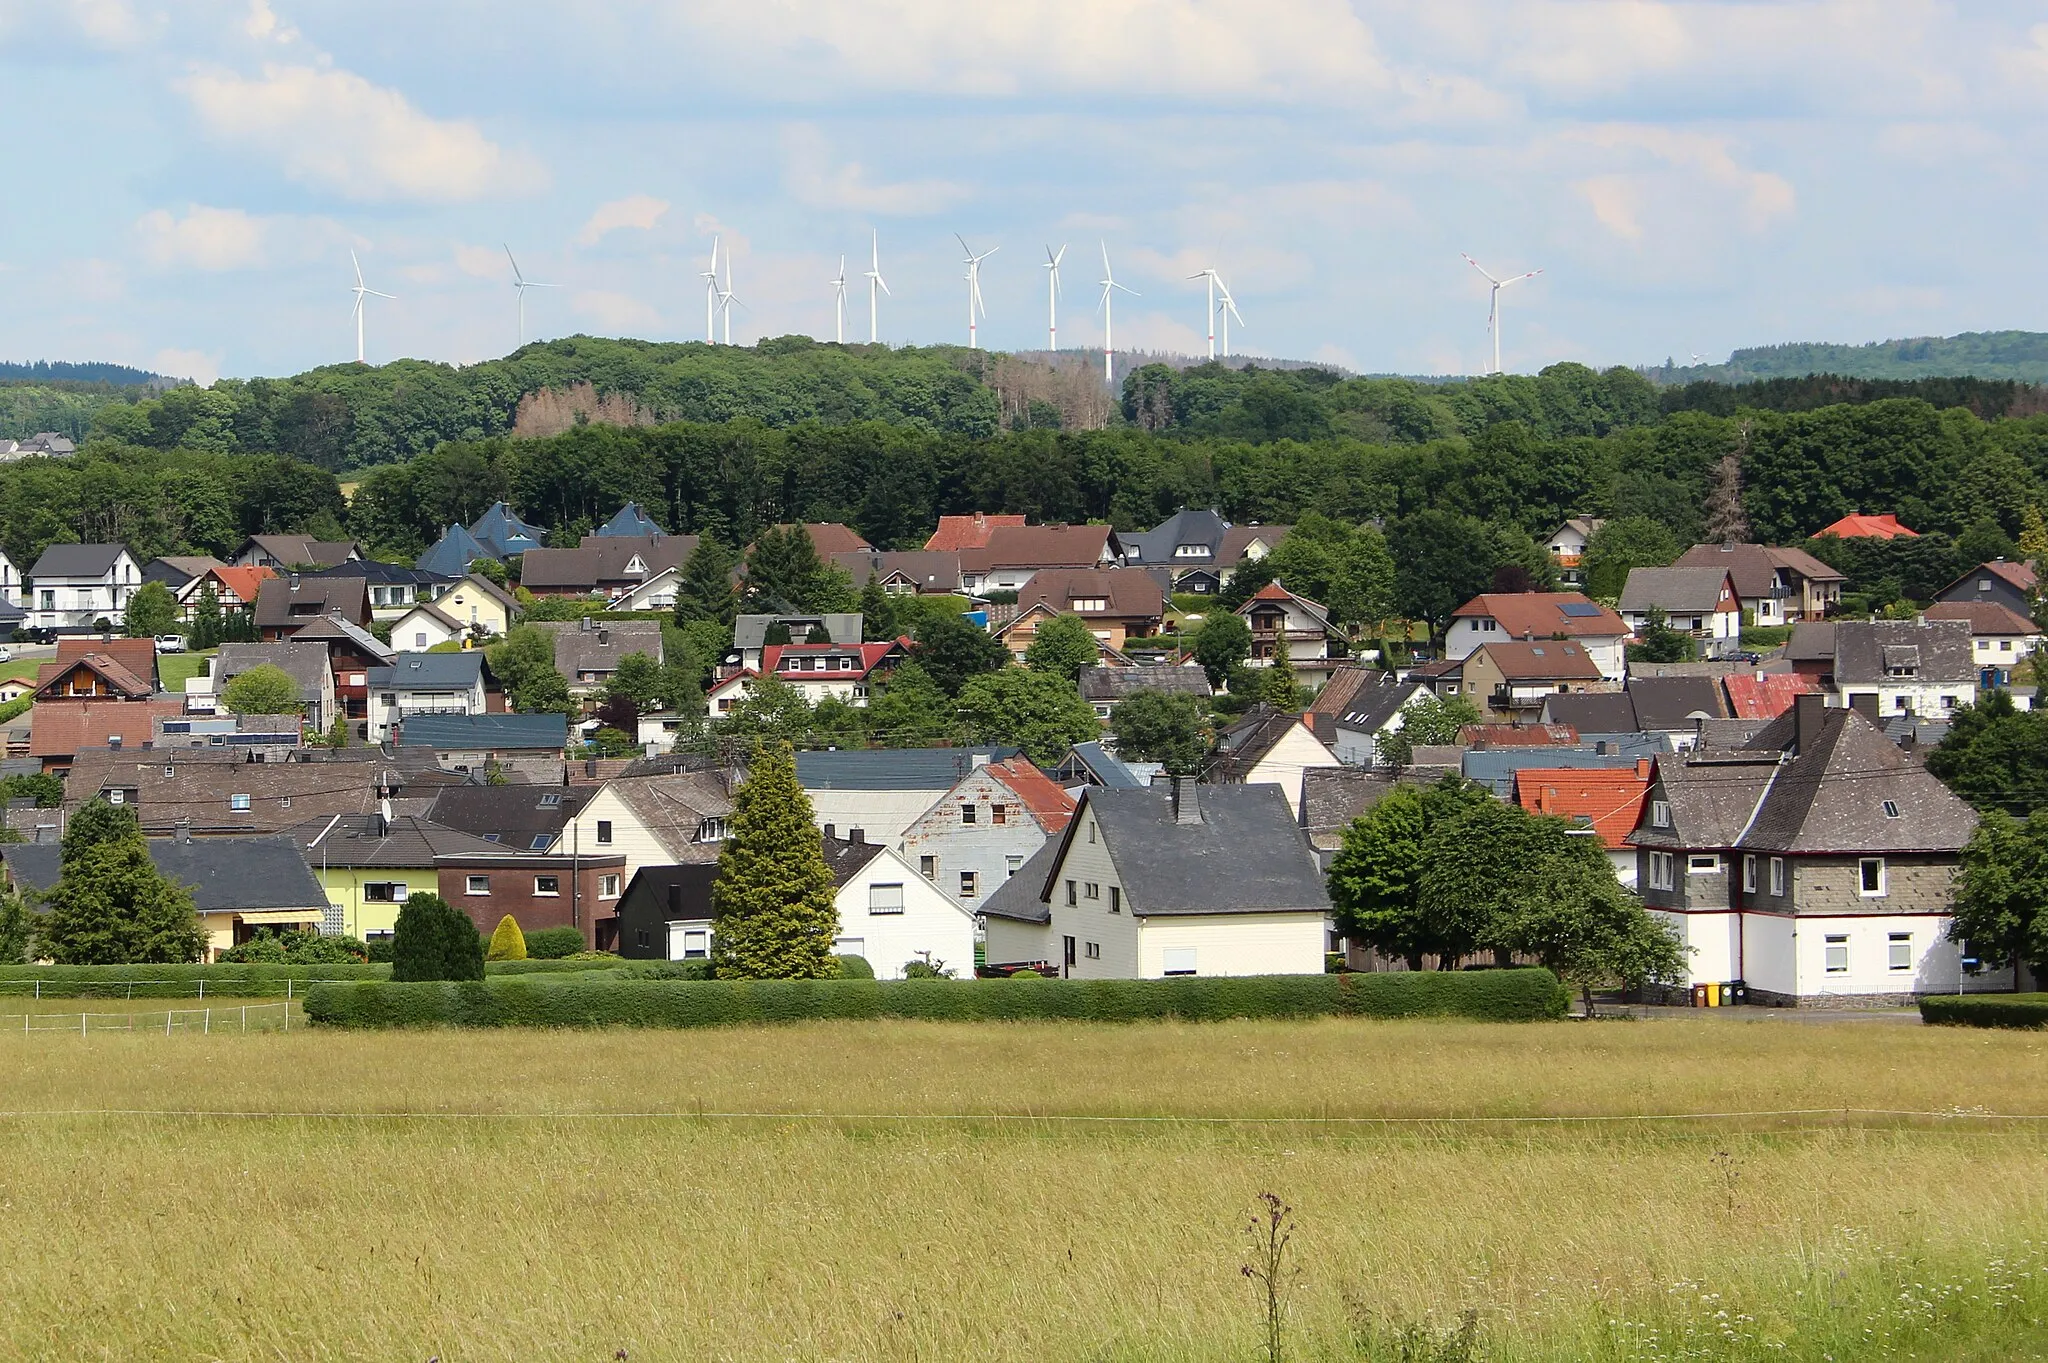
[1918, 667]
[817, 672]
[1698, 602]
[889, 915]
[11, 585]
[654, 820]
[425, 627]
[1497, 616]
[1269, 747]
[74, 585]
[1286, 624]
[2000, 637]
[1366, 706]
[1568, 548]
[424, 684]
[656, 593]
[1145, 883]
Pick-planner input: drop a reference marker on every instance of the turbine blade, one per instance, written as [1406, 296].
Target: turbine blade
[358, 264]
[517, 277]
[964, 246]
[885, 285]
[1481, 268]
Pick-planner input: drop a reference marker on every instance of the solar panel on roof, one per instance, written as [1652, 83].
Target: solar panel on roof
[1579, 609]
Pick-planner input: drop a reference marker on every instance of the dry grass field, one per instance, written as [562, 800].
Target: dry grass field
[925, 1191]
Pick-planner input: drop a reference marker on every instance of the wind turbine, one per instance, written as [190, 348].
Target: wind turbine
[1052, 303]
[361, 292]
[1109, 288]
[1228, 307]
[839, 303]
[1493, 308]
[875, 281]
[974, 302]
[520, 284]
[726, 298]
[1210, 275]
[710, 278]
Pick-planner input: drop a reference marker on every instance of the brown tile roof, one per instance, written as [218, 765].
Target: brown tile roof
[1540, 659]
[116, 677]
[1540, 615]
[137, 655]
[599, 648]
[281, 794]
[1519, 736]
[927, 572]
[1050, 805]
[956, 533]
[63, 728]
[1755, 566]
[1129, 593]
[1238, 538]
[830, 537]
[1040, 546]
[599, 562]
[283, 603]
[1985, 617]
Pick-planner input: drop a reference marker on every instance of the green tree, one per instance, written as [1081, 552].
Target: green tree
[524, 661]
[337, 733]
[951, 649]
[17, 927]
[207, 622]
[1441, 561]
[705, 591]
[1430, 721]
[508, 943]
[110, 905]
[435, 941]
[1221, 642]
[1376, 877]
[263, 690]
[1155, 726]
[911, 711]
[44, 789]
[1623, 544]
[785, 573]
[1659, 643]
[151, 611]
[1995, 755]
[877, 613]
[770, 709]
[1063, 646]
[2002, 890]
[1040, 712]
[1277, 686]
[773, 910]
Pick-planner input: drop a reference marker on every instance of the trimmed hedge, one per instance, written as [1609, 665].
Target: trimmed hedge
[617, 1000]
[1986, 1010]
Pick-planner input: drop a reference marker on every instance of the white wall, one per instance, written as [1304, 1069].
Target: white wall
[1715, 948]
[1006, 941]
[1296, 752]
[1087, 862]
[930, 922]
[420, 630]
[881, 815]
[1934, 957]
[1921, 698]
[1236, 944]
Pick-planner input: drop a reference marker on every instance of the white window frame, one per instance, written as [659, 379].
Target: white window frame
[1660, 814]
[1778, 878]
[539, 893]
[1899, 951]
[608, 885]
[1178, 961]
[1702, 864]
[470, 885]
[1863, 866]
[1835, 948]
[238, 803]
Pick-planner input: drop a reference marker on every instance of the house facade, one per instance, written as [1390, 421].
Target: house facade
[73, 586]
[1910, 667]
[1117, 605]
[425, 684]
[2001, 639]
[1568, 548]
[1528, 616]
[1013, 555]
[982, 831]
[539, 890]
[654, 820]
[1700, 603]
[1272, 747]
[370, 864]
[1287, 624]
[890, 916]
[843, 672]
[1775, 585]
[2000, 582]
[1514, 679]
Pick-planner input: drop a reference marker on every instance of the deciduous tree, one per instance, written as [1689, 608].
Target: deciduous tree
[262, 690]
[1222, 642]
[1063, 646]
[110, 905]
[1155, 726]
[151, 611]
[1040, 712]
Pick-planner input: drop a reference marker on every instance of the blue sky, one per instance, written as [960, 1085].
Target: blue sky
[186, 181]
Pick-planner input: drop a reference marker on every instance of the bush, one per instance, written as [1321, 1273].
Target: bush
[380, 951]
[550, 944]
[854, 968]
[1986, 1010]
[507, 943]
[560, 965]
[435, 941]
[615, 999]
[296, 947]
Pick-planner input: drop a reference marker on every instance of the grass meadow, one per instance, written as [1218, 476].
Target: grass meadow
[928, 1191]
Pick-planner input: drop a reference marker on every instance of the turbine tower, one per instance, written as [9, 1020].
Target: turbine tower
[974, 303]
[1109, 288]
[726, 298]
[361, 292]
[1226, 305]
[1052, 302]
[520, 284]
[1493, 307]
[710, 278]
[1210, 275]
[875, 281]
[839, 303]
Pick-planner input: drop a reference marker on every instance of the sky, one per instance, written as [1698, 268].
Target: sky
[187, 180]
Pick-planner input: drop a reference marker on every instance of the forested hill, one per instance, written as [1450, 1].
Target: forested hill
[95, 372]
[2021, 355]
[347, 417]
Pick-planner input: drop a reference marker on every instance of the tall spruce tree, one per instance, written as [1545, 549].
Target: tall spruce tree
[110, 905]
[877, 613]
[1727, 520]
[706, 591]
[772, 906]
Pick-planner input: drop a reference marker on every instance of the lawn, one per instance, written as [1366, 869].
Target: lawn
[173, 670]
[901, 1191]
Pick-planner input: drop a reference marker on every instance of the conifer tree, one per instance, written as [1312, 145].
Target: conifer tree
[208, 624]
[877, 613]
[435, 941]
[508, 943]
[706, 591]
[110, 905]
[772, 906]
[1727, 521]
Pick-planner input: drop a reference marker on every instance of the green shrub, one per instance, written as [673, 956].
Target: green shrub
[435, 941]
[667, 970]
[561, 965]
[618, 999]
[507, 943]
[380, 951]
[854, 968]
[551, 944]
[297, 947]
[1986, 1010]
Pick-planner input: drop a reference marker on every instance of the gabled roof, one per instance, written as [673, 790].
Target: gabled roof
[1593, 712]
[429, 672]
[332, 629]
[452, 554]
[1587, 526]
[1021, 898]
[1112, 684]
[673, 808]
[1050, 805]
[137, 656]
[540, 733]
[225, 875]
[830, 537]
[62, 728]
[1668, 704]
[600, 647]
[1542, 659]
[1608, 800]
[934, 769]
[296, 549]
[1226, 850]
[244, 583]
[1274, 593]
[304, 662]
[511, 816]
[1830, 797]
[1241, 747]
[927, 571]
[1868, 651]
[1541, 615]
[1755, 566]
[956, 533]
[1856, 525]
[751, 631]
[1987, 619]
[604, 561]
[1679, 590]
[503, 534]
[1765, 695]
[1125, 592]
[368, 841]
[1331, 797]
[1042, 546]
[631, 520]
[175, 570]
[1239, 538]
[115, 676]
[869, 656]
[1162, 543]
[1092, 763]
[2021, 577]
[285, 601]
[1812, 641]
[77, 560]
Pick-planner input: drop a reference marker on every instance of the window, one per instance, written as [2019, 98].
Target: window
[1084, 604]
[1091, 890]
[696, 945]
[604, 832]
[970, 884]
[419, 640]
[1836, 955]
[382, 892]
[967, 814]
[1073, 894]
[999, 814]
[547, 885]
[885, 898]
[1871, 877]
[1899, 951]
[1702, 864]
[238, 802]
[928, 867]
[1749, 875]
[550, 802]
[711, 830]
[1116, 900]
[477, 885]
[285, 802]
[1093, 950]
[640, 936]
[541, 841]
[1891, 809]
[1091, 831]
[117, 797]
[1777, 875]
[1012, 865]
[1660, 814]
[1179, 960]
[608, 886]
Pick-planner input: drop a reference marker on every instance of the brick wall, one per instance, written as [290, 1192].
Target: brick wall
[520, 886]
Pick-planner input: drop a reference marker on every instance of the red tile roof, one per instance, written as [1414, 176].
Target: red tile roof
[870, 655]
[1519, 735]
[137, 655]
[62, 728]
[1985, 617]
[1609, 800]
[1039, 546]
[1053, 807]
[1859, 526]
[1765, 695]
[968, 532]
[830, 537]
[2021, 575]
[1542, 615]
[110, 670]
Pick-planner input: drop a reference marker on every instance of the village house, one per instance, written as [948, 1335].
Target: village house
[655, 820]
[665, 914]
[1513, 680]
[62, 729]
[429, 684]
[1697, 602]
[370, 864]
[878, 793]
[1775, 586]
[1603, 803]
[1364, 705]
[750, 634]
[285, 605]
[818, 672]
[175, 571]
[351, 652]
[98, 668]
[910, 573]
[2000, 638]
[539, 890]
[1285, 623]
[1815, 863]
[519, 818]
[1014, 554]
[1190, 880]
[220, 791]
[982, 831]
[522, 747]
[1857, 525]
[955, 533]
[282, 553]
[1117, 605]
[1530, 616]
[393, 588]
[305, 663]
[76, 586]
[451, 556]
[607, 566]
[588, 652]
[1104, 688]
[1917, 667]
[1764, 695]
[1568, 548]
[2000, 582]
[1199, 549]
[235, 589]
[502, 534]
[631, 522]
[1273, 747]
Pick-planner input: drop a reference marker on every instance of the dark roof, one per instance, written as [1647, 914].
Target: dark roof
[452, 554]
[892, 768]
[751, 631]
[1593, 712]
[175, 570]
[366, 840]
[673, 809]
[1158, 545]
[846, 859]
[1114, 683]
[631, 520]
[1812, 641]
[1240, 747]
[1867, 651]
[1243, 852]
[296, 549]
[653, 888]
[1831, 796]
[1755, 566]
[930, 571]
[328, 628]
[251, 873]
[1094, 764]
[511, 816]
[77, 560]
[385, 574]
[1711, 797]
[1021, 897]
[1331, 797]
[548, 732]
[602, 646]
[503, 534]
[299, 598]
[1681, 589]
[305, 663]
[604, 562]
[429, 671]
[1669, 703]
[1985, 618]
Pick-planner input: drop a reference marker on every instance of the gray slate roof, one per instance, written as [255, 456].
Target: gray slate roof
[1331, 797]
[892, 768]
[601, 647]
[1674, 590]
[1936, 650]
[503, 534]
[1157, 545]
[365, 840]
[76, 560]
[750, 631]
[1812, 641]
[429, 672]
[1593, 712]
[305, 663]
[452, 554]
[846, 859]
[1830, 798]
[1112, 684]
[631, 520]
[511, 816]
[1245, 855]
[539, 732]
[252, 872]
[1021, 898]
[1668, 703]
[1092, 763]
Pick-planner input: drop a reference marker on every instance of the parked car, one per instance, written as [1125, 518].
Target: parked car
[6, 654]
[170, 643]
[41, 634]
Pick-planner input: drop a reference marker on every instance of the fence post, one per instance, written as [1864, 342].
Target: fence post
[207, 1025]
[83, 1018]
[202, 986]
[167, 1022]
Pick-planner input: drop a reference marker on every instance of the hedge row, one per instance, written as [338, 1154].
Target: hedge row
[1986, 1010]
[228, 981]
[613, 1000]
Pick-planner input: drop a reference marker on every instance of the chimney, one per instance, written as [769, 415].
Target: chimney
[1809, 712]
[857, 836]
[1865, 704]
[1642, 768]
[1161, 781]
[182, 830]
[295, 581]
[829, 831]
[1187, 805]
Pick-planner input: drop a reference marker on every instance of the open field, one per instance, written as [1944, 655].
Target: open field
[896, 1191]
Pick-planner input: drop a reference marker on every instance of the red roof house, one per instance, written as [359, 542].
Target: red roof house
[1856, 525]
[1609, 800]
[968, 532]
[1765, 695]
[1052, 806]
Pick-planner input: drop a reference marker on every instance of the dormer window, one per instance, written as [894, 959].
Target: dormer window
[1660, 814]
[1191, 551]
[1891, 809]
[1084, 604]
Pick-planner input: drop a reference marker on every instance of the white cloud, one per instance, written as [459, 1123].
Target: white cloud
[619, 313]
[813, 178]
[197, 365]
[1701, 162]
[480, 262]
[335, 130]
[638, 212]
[204, 239]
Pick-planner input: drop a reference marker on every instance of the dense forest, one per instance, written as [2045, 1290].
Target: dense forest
[2021, 355]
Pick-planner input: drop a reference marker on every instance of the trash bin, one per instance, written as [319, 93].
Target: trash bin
[1714, 994]
[1735, 993]
[1699, 996]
